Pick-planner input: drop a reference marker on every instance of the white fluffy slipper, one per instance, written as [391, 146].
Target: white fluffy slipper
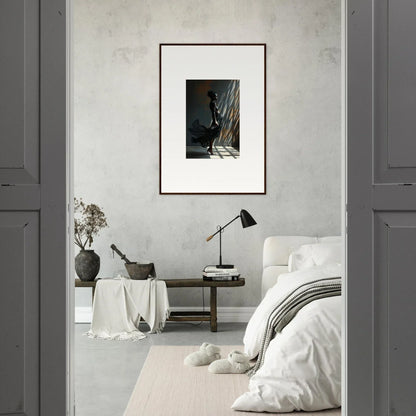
[206, 355]
[236, 363]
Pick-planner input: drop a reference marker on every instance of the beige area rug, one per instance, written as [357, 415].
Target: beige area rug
[166, 387]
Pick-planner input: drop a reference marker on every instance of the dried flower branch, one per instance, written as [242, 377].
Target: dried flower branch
[88, 221]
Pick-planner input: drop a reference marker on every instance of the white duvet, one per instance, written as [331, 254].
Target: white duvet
[302, 366]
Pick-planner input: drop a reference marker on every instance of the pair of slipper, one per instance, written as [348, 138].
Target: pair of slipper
[236, 362]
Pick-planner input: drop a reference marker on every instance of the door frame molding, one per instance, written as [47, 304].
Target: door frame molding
[358, 287]
[54, 215]
[70, 289]
[344, 375]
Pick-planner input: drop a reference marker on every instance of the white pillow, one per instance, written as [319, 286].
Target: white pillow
[311, 255]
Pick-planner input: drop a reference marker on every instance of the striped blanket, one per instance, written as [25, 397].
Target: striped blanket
[286, 309]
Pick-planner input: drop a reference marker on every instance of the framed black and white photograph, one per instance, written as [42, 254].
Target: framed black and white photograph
[212, 118]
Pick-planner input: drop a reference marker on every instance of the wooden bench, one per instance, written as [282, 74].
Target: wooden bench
[210, 315]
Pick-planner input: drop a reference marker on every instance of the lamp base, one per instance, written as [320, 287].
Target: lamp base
[224, 266]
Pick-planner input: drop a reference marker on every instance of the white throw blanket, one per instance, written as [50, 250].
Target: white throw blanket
[119, 304]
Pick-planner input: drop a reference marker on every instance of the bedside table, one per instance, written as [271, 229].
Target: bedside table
[210, 316]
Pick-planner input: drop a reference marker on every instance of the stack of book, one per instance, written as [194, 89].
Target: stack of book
[216, 273]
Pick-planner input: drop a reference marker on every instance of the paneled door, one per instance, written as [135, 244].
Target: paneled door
[33, 206]
[381, 206]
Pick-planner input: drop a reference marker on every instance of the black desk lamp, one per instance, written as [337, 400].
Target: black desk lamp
[246, 221]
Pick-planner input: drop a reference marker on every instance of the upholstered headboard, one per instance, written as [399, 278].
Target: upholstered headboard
[276, 254]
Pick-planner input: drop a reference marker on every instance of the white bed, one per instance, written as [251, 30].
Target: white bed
[276, 253]
[302, 363]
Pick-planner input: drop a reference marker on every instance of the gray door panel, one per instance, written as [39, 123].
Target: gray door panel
[33, 208]
[19, 86]
[401, 359]
[394, 86]
[395, 309]
[381, 209]
[19, 197]
[394, 197]
[19, 313]
[358, 284]
[401, 83]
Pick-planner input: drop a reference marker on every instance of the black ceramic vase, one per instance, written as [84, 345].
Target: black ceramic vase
[87, 265]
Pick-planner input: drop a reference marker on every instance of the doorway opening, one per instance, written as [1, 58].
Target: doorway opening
[116, 161]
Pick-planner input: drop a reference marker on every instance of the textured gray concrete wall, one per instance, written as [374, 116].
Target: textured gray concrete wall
[116, 129]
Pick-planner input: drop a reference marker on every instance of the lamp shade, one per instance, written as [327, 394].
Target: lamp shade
[246, 219]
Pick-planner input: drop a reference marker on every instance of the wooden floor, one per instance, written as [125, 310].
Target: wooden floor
[166, 387]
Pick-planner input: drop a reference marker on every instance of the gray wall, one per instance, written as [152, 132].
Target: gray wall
[116, 70]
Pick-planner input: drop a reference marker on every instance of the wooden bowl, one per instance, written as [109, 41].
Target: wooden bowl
[139, 271]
